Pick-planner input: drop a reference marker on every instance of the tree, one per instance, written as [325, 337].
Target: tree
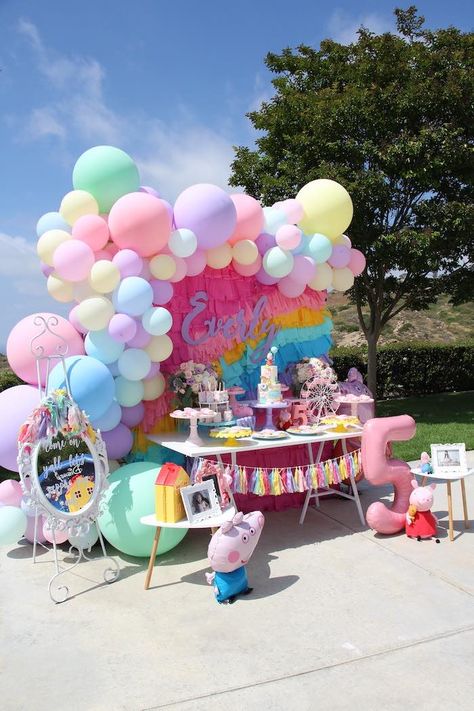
[390, 117]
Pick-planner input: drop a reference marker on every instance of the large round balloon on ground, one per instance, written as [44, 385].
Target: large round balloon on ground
[107, 173]
[208, 211]
[11, 493]
[129, 497]
[20, 357]
[12, 525]
[140, 222]
[327, 207]
[91, 383]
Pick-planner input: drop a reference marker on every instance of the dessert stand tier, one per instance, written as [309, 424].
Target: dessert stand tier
[269, 408]
[232, 435]
[192, 416]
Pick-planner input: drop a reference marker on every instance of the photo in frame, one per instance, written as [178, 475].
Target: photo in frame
[449, 459]
[200, 501]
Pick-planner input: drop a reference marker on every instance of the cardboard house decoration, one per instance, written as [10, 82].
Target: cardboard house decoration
[169, 505]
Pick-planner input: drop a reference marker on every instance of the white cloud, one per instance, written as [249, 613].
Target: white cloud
[343, 27]
[44, 122]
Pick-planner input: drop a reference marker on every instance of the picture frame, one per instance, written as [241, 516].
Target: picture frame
[449, 459]
[200, 501]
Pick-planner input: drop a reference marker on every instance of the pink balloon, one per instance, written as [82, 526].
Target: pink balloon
[19, 355]
[154, 370]
[93, 230]
[46, 269]
[340, 256]
[140, 222]
[196, 263]
[249, 218]
[103, 254]
[30, 529]
[73, 260]
[10, 492]
[288, 236]
[59, 536]
[74, 321]
[132, 416]
[141, 339]
[292, 209]
[162, 291]
[181, 270]
[248, 269]
[265, 278]
[357, 262]
[265, 242]
[118, 441]
[129, 263]
[111, 248]
[290, 288]
[208, 211]
[122, 328]
[303, 270]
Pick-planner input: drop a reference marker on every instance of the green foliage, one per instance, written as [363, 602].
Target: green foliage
[8, 379]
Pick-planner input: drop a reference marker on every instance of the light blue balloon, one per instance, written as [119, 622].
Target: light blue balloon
[110, 419]
[100, 345]
[273, 220]
[302, 247]
[319, 248]
[157, 321]
[133, 296]
[128, 392]
[277, 262]
[91, 382]
[52, 221]
[13, 524]
[134, 364]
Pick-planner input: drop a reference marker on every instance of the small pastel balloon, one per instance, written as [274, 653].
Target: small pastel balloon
[357, 262]
[263, 278]
[55, 535]
[85, 541]
[118, 441]
[290, 288]
[157, 321]
[122, 328]
[249, 218]
[101, 346]
[342, 279]
[245, 252]
[183, 242]
[160, 348]
[265, 242]
[134, 364]
[128, 393]
[162, 291]
[343, 239]
[163, 266]
[128, 262]
[76, 204]
[208, 211]
[248, 270]
[74, 321]
[327, 208]
[278, 262]
[51, 221]
[292, 209]
[132, 416]
[340, 256]
[13, 524]
[304, 269]
[219, 257]
[302, 248]
[11, 493]
[319, 248]
[48, 244]
[322, 279]
[273, 220]
[93, 230]
[288, 236]
[95, 313]
[104, 276]
[83, 290]
[196, 263]
[59, 289]
[154, 387]
[141, 338]
[110, 419]
[133, 296]
[180, 271]
[73, 260]
[154, 370]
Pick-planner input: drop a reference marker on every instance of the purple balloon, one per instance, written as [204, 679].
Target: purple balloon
[129, 263]
[141, 338]
[265, 278]
[303, 270]
[208, 211]
[162, 291]
[154, 370]
[132, 416]
[118, 441]
[150, 191]
[265, 242]
[16, 404]
[340, 256]
[122, 328]
[46, 269]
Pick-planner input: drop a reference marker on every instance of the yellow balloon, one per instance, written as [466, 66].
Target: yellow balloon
[49, 242]
[154, 387]
[160, 348]
[323, 277]
[245, 251]
[342, 279]
[83, 290]
[95, 313]
[59, 289]
[76, 204]
[104, 276]
[162, 266]
[327, 208]
[219, 257]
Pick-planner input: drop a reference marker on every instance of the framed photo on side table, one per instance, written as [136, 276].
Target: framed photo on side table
[200, 501]
[449, 459]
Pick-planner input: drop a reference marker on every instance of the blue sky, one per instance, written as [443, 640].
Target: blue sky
[169, 82]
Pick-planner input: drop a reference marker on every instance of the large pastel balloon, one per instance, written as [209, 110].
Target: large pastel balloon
[49, 242]
[19, 355]
[290, 288]
[118, 441]
[319, 247]
[76, 204]
[160, 348]
[249, 218]
[248, 269]
[157, 321]
[162, 291]
[322, 279]
[245, 252]
[128, 262]
[154, 387]
[183, 242]
[342, 279]
[95, 313]
[51, 221]
[133, 296]
[304, 269]
[274, 219]
[107, 173]
[126, 501]
[140, 222]
[90, 381]
[73, 260]
[134, 364]
[13, 524]
[288, 236]
[340, 256]
[110, 419]
[263, 278]
[141, 338]
[59, 289]
[163, 266]
[104, 276]
[356, 262]
[132, 416]
[11, 493]
[101, 345]
[128, 392]
[93, 230]
[208, 211]
[327, 207]
[55, 535]
[16, 404]
[30, 528]
[219, 257]
[122, 328]
[278, 262]
[180, 271]
[265, 242]
[196, 263]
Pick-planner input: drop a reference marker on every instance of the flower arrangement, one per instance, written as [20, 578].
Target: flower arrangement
[308, 368]
[189, 380]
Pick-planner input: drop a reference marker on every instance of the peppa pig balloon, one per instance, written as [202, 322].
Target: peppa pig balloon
[229, 551]
[420, 522]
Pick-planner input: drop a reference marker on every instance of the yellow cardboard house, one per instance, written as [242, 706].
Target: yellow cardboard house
[169, 505]
[79, 492]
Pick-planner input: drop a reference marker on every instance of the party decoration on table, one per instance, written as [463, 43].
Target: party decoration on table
[191, 379]
[426, 467]
[216, 400]
[221, 478]
[239, 409]
[420, 522]
[230, 434]
[193, 415]
[269, 389]
[230, 549]
[168, 502]
[319, 390]
[201, 501]
[340, 423]
[309, 429]
[269, 434]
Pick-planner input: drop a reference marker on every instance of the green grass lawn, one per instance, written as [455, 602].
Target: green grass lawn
[443, 418]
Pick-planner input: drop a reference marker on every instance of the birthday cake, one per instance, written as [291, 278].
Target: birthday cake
[269, 389]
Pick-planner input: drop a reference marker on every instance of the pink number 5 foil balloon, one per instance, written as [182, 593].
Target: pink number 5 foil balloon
[380, 470]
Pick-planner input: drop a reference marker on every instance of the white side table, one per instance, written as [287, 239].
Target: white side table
[151, 520]
[448, 480]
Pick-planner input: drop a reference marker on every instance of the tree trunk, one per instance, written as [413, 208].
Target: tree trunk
[372, 339]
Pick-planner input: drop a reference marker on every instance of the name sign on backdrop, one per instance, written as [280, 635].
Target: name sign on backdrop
[231, 327]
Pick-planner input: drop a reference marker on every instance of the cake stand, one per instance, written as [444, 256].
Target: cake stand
[192, 416]
[269, 408]
[238, 408]
[231, 437]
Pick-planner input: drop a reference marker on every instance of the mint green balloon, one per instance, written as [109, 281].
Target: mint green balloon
[13, 523]
[107, 173]
[131, 495]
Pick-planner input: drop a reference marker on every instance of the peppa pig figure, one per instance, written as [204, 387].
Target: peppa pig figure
[420, 522]
[229, 551]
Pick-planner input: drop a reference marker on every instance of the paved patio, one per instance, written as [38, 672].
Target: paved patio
[340, 618]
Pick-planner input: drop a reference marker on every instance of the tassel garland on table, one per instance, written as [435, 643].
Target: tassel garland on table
[290, 480]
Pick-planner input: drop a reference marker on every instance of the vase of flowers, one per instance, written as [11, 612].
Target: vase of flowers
[189, 380]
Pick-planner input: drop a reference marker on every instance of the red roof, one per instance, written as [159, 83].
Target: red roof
[168, 474]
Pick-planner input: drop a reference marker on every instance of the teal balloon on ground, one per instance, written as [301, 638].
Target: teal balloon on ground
[12, 525]
[131, 495]
[107, 173]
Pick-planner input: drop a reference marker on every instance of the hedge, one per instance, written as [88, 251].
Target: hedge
[405, 369]
[8, 380]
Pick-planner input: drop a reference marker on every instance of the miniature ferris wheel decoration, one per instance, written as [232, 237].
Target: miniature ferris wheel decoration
[319, 394]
